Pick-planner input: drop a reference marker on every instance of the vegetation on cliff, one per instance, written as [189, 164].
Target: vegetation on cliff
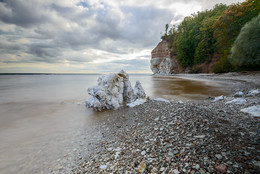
[208, 37]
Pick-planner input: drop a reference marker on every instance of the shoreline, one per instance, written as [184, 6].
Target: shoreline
[239, 80]
[189, 137]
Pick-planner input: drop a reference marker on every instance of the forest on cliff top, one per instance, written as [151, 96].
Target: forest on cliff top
[226, 38]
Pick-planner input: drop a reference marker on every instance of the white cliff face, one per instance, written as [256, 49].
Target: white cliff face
[162, 62]
[161, 65]
[112, 90]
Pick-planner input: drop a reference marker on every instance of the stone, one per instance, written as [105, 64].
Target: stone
[143, 152]
[197, 166]
[103, 167]
[162, 169]
[256, 163]
[142, 168]
[175, 171]
[222, 168]
[175, 152]
[199, 136]
[139, 92]
[253, 92]
[112, 90]
[136, 103]
[253, 110]
[170, 154]
[162, 100]
[156, 119]
[218, 98]
[237, 101]
[238, 94]
[218, 156]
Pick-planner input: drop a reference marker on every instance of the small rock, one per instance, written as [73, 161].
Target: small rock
[253, 110]
[103, 167]
[142, 168]
[197, 166]
[162, 169]
[199, 136]
[202, 171]
[238, 101]
[253, 92]
[218, 98]
[170, 154]
[218, 156]
[221, 168]
[156, 119]
[239, 94]
[235, 165]
[143, 152]
[175, 152]
[175, 171]
[256, 163]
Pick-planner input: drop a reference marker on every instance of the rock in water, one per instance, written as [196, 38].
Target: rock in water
[139, 91]
[112, 90]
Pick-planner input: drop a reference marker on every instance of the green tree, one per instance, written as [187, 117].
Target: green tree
[206, 46]
[245, 52]
[166, 29]
[228, 26]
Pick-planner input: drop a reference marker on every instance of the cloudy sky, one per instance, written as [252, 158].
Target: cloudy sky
[86, 36]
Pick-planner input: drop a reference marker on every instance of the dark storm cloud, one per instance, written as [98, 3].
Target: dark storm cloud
[22, 13]
[45, 51]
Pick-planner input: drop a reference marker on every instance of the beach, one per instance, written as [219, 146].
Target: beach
[203, 136]
[46, 128]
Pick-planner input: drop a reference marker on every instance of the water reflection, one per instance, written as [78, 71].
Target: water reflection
[184, 89]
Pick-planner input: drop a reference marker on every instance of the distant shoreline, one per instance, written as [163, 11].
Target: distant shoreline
[46, 74]
[67, 74]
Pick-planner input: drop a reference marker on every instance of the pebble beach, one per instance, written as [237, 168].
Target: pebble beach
[160, 136]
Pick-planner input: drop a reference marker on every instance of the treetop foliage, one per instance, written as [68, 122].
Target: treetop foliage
[209, 35]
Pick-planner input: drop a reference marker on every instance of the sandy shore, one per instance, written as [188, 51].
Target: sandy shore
[175, 137]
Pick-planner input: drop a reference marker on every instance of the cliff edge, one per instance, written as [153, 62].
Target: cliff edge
[162, 62]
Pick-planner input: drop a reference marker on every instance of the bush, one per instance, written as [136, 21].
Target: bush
[223, 65]
[245, 52]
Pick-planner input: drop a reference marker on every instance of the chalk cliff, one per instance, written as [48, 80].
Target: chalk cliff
[162, 62]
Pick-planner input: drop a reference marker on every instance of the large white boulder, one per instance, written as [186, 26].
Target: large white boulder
[112, 90]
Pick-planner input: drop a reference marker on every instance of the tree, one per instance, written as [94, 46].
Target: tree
[166, 29]
[228, 26]
[245, 52]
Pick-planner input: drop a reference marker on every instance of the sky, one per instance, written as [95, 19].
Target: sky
[87, 36]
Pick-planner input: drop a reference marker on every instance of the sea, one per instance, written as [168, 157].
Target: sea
[44, 121]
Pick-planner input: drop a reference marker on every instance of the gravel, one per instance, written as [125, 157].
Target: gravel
[200, 137]
[171, 137]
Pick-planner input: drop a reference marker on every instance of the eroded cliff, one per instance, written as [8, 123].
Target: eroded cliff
[162, 62]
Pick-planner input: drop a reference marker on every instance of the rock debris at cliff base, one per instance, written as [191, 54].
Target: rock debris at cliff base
[170, 137]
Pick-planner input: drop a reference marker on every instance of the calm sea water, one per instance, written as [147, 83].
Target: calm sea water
[43, 116]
